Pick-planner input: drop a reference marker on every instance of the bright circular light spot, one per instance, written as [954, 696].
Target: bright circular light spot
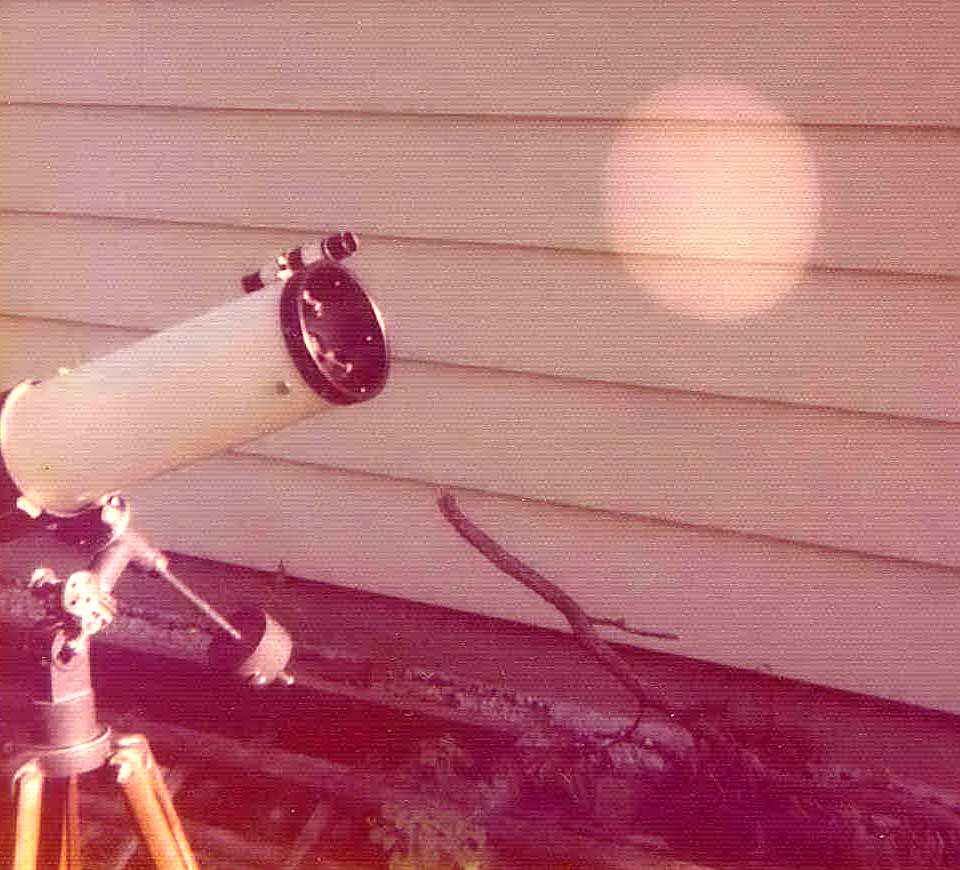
[714, 201]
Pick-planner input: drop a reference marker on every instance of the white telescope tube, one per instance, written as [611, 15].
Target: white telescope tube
[246, 368]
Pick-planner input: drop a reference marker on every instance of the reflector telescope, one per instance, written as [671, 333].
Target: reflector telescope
[309, 340]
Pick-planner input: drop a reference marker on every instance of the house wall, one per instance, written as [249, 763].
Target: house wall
[671, 291]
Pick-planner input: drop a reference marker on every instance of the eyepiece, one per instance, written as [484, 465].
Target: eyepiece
[340, 246]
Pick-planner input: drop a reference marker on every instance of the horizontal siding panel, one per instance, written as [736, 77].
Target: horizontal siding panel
[688, 190]
[32, 349]
[578, 58]
[866, 625]
[882, 486]
[869, 342]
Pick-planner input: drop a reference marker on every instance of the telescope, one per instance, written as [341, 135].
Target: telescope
[305, 337]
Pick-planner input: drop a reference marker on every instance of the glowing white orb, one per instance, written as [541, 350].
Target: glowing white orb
[712, 199]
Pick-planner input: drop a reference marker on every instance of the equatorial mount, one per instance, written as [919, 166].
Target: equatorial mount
[82, 604]
[64, 737]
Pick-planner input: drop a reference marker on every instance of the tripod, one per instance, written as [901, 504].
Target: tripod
[52, 771]
[65, 738]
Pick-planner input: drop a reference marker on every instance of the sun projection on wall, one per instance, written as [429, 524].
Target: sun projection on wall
[714, 201]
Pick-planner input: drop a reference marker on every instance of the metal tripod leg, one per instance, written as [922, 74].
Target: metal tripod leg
[151, 805]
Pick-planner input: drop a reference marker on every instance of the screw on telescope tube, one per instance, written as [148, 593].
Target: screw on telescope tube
[327, 355]
[284, 269]
[331, 357]
[315, 304]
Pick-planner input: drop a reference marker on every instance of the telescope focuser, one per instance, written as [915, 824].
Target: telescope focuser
[333, 248]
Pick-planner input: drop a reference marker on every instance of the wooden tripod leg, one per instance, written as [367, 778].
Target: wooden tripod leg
[168, 851]
[166, 803]
[70, 858]
[28, 782]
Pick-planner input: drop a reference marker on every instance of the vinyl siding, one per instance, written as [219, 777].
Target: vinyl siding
[778, 488]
